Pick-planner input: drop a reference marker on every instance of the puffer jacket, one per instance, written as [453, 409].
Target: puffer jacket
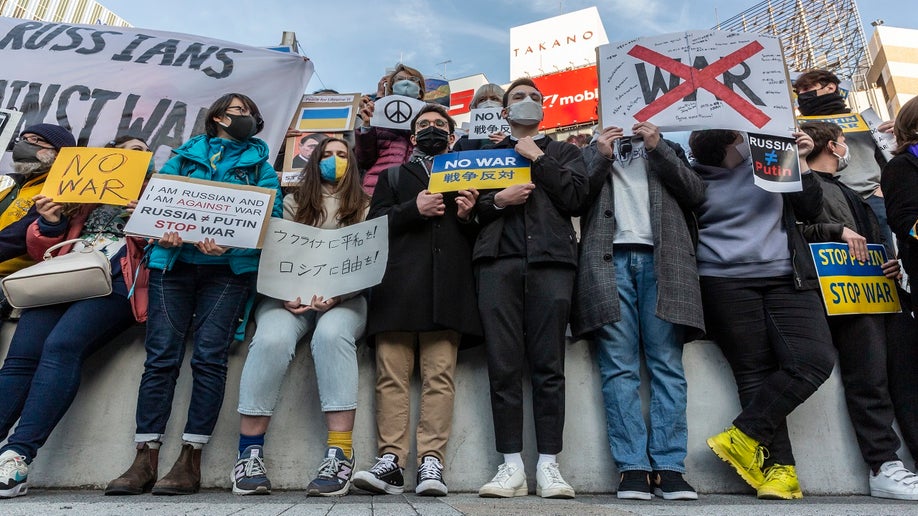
[378, 149]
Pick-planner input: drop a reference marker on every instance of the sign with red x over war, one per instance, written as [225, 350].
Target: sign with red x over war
[696, 80]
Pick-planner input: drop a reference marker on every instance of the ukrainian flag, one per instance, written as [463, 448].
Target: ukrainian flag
[324, 119]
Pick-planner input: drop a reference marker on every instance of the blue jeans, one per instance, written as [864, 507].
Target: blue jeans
[41, 374]
[334, 351]
[619, 346]
[207, 299]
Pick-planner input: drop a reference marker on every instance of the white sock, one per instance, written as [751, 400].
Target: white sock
[543, 458]
[514, 458]
[196, 446]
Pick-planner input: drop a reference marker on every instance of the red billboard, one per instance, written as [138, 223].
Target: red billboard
[570, 97]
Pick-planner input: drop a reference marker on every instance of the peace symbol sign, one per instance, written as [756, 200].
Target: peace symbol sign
[398, 111]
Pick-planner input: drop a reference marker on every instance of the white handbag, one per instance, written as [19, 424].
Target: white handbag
[70, 277]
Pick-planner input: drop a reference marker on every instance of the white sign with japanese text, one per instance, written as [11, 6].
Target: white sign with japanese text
[487, 121]
[304, 261]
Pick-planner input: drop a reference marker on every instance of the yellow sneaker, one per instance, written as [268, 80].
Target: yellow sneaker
[780, 484]
[742, 452]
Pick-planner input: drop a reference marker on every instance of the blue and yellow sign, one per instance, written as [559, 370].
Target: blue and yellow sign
[483, 169]
[852, 287]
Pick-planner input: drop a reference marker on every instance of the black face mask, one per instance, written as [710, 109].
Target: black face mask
[25, 152]
[811, 104]
[242, 127]
[432, 140]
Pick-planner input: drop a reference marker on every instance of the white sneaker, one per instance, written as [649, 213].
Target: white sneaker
[894, 481]
[14, 474]
[550, 483]
[509, 481]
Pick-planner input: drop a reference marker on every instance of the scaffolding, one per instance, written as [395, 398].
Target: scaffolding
[825, 34]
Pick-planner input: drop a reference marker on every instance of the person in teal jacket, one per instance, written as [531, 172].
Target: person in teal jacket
[203, 288]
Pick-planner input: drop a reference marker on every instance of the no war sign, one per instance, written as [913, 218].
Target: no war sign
[696, 80]
[90, 175]
[849, 286]
[486, 121]
[484, 170]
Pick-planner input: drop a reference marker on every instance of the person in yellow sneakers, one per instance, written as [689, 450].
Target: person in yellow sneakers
[758, 292]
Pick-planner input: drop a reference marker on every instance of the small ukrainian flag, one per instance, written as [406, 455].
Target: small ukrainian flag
[324, 119]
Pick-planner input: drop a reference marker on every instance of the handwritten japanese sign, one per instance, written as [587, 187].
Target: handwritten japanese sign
[485, 121]
[696, 80]
[775, 162]
[232, 215]
[91, 175]
[886, 142]
[852, 287]
[483, 169]
[303, 261]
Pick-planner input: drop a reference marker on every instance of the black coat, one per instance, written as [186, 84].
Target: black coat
[899, 183]
[429, 284]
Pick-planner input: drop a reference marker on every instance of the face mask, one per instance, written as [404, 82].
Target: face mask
[744, 151]
[844, 159]
[811, 104]
[241, 127]
[25, 152]
[525, 112]
[406, 88]
[489, 104]
[432, 140]
[333, 168]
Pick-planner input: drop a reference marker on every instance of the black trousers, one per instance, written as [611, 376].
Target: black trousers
[524, 310]
[778, 344]
[861, 344]
[902, 361]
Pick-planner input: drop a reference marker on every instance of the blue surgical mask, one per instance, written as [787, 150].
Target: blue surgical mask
[407, 88]
[333, 168]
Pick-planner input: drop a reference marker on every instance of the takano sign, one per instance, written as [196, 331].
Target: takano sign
[556, 44]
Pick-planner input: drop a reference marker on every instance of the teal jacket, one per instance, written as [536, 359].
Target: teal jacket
[226, 161]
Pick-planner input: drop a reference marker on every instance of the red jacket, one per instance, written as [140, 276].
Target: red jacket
[131, 262]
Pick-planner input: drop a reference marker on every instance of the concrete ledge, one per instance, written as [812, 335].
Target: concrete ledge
[93, 443]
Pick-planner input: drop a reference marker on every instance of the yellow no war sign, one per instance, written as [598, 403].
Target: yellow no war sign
[481, 169]
[849, 286]
[96, 175]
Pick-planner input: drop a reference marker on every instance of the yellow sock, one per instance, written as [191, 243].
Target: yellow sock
[343, 440]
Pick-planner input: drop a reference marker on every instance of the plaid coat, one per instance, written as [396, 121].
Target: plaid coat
[674, 190]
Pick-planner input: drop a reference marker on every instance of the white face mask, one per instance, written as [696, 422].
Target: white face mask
[525, 112]
[407, 88]
[488, 104]
[744, 151]
[844, 159]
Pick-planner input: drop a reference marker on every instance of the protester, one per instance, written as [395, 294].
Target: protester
[41, 374]
[818, 94]
[637, 293]
[33, 154]
[201, 287]
[379, 148]
[860, 339]
[900, 187]
[329, 197]
[757, 287]
[487, 96]
[525, 263]
[424, 306]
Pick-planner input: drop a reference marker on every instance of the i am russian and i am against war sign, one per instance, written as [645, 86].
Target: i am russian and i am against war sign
[699, 80]
[231, 215]
[849, 286]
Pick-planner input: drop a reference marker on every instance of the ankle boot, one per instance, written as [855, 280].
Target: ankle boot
[185, 475]
[140, 477]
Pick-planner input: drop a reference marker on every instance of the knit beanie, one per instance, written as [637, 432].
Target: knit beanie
[53, 134]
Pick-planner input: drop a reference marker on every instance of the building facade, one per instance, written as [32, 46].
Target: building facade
[87, 12]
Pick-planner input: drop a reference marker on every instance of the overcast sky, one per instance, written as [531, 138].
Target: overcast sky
[353, 42]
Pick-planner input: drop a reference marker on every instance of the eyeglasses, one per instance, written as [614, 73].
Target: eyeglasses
[439, 122]
[34, 139]
[411, 78]
[238, 110]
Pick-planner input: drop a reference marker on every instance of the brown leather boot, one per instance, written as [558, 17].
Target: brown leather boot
[185, 475]
[140, 477]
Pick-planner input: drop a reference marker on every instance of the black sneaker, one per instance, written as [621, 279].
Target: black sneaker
[430, 478]
[334, 476]
[249, 475]
[669, 485]
[635, 485]
[385, 477]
